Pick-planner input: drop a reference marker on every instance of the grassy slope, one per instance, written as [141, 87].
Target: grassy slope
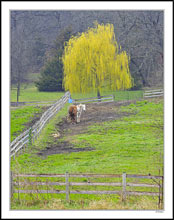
[19, 117]
[132, 144]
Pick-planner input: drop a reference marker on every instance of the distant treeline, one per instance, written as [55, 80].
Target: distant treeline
[37, 42]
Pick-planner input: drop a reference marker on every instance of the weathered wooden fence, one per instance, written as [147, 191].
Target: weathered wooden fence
[28, 137]
[16, 184]
[153, 93]
[101, 99]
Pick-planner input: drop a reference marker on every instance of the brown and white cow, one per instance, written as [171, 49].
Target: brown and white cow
[75, 112]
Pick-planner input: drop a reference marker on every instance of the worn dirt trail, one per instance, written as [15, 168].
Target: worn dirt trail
[95, 113]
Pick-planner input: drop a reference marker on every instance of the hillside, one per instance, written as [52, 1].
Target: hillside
[140, 33]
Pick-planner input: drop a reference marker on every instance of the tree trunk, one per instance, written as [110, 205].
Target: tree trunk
[18, 88]
[98, 95]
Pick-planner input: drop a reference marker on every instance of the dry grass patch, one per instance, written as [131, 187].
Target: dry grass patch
[141, 204]
[101, 205]
[54, 204]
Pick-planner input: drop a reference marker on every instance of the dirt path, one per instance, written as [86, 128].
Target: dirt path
[95, 113]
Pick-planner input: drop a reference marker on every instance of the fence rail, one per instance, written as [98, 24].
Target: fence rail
[101, 99]
[91, 182]
[29, 136]
[153, 93]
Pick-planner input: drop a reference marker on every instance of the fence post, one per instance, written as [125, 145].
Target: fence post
[162, 185]
[18, 187]
[47, 187]
[33, 138]
[67, 186]
[123, 186]
[30, 137]
[36, 133]
[14, 156]
[113, 97]
[11, 185]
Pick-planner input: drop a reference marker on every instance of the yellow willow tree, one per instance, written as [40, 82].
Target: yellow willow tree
[93, 61]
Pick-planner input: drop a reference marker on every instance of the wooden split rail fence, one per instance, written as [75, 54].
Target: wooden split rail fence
[101, 99]
[28, 137]
[153, 93]
[157, 182]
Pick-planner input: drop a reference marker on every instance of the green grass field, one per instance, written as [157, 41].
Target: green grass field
[121, 145]
[30, 93]
[21, 117]
[118, 95]
[131, 144]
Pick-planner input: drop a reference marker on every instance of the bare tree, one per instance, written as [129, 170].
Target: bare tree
[19, 62]
[24, 36]
[140, 33]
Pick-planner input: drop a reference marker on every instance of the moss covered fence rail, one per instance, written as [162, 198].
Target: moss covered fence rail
[29, 136]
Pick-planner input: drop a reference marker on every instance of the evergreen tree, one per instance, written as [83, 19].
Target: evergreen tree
[52, 72]
[51, 76]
